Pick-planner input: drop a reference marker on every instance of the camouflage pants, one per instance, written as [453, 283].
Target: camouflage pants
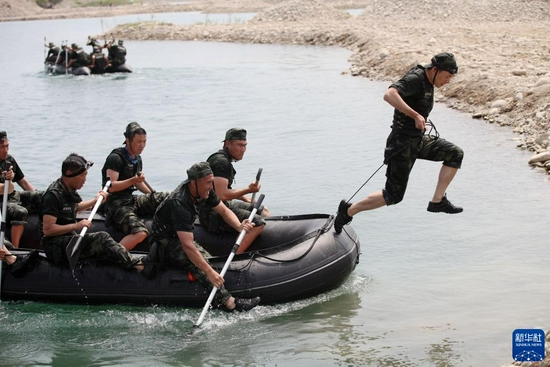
[20, 205]
[97, 244]
[214, 223]
[401, 153]
[125, 213]
[171, 252]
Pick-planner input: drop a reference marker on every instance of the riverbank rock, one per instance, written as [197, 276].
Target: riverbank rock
[502, 49]
[19, 8]
[301, 10]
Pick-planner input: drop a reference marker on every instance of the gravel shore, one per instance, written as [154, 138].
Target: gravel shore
[502, 47]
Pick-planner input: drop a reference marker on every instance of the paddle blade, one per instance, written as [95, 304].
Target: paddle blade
[73, 250]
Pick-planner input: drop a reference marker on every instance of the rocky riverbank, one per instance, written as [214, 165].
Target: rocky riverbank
[502, 48]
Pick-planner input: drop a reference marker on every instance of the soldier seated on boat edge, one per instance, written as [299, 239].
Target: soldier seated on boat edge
[20, 204]
[58, 223]
[236, 199]
[173, 239]
[124, 168]
[78, 57]
[53, 51]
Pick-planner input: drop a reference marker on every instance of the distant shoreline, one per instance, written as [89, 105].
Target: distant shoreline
[502, 47]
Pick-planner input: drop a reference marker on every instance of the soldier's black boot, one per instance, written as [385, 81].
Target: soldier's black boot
[342, 218]
[444, 206]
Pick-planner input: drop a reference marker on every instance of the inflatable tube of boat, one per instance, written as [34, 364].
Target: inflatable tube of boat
[124, 68]
[83, 70]
[295, 257]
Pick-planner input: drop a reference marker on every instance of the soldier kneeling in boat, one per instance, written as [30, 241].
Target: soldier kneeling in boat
[78, 57]
[173, 239]
[99, 62]
[58, 223]
[53, 51]
[117, 54]
[20, 203]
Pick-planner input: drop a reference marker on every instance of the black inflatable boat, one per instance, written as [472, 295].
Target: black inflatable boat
[295, 257]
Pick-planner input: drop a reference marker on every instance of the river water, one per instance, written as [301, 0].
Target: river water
[430, 290]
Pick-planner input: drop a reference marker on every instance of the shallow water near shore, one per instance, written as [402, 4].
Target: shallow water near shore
[430, 290]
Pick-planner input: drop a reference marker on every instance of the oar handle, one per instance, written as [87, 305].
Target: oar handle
[146, 184]
[96, 206]
[3, 221]
[228, 262]
[258, 175]
[4, 210]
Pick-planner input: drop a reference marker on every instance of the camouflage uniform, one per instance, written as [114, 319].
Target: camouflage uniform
[125, 213]
[62, 203]
[212, 221]
[96, 244]
[122, 208]
[117, 54]
[178, 213]
[401, 153]
[406, 143]
[53, 51]
[169, 251]
[20, 204]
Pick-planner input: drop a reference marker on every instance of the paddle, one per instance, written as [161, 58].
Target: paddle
[57, 58]
[3, 221]
[226, 266]
[257, 180]
[73, 249]
[66, 57]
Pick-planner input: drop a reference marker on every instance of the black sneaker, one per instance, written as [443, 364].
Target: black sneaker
[342, 218]
[246, 304]
[444, 206]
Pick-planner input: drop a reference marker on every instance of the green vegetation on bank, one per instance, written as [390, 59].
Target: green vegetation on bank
[106, 2]
[47, 4]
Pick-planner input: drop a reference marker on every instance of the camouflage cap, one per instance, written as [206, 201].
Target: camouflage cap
[444, 61]
[235, 133]
[198, 170]
[131, 129]
[3, 135]
[51, 44]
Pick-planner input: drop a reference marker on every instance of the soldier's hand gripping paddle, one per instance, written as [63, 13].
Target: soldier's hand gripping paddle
[73, 248]
[229, 259]
[3, 220]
